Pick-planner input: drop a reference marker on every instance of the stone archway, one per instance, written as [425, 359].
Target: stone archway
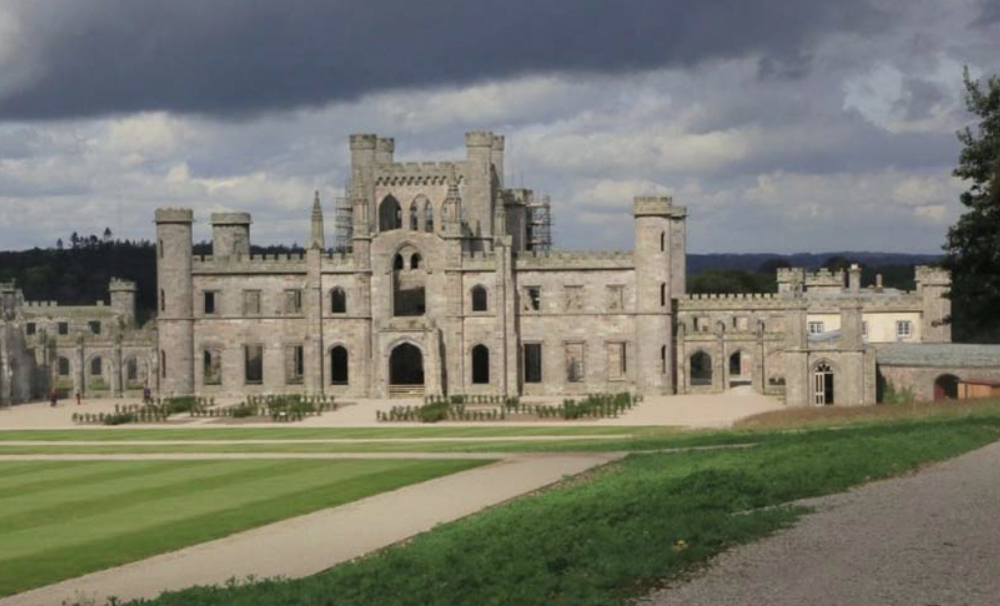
[946, 387]
[406, 365]
[390, 214]
[700, 365]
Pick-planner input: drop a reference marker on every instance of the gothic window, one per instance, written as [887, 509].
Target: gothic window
[131, 370]
[390, 214]
[63, 367]
[532, 298]
[701, 368]
[95, 366]
[480, 365]
[397, 262]
[338, 301]
[415, 261]
[429, 216]
[414, 216]
[479, 298]
[211, 367]
[338, 365]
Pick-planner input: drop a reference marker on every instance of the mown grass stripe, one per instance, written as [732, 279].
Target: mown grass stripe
[26, 571]
[76, 474]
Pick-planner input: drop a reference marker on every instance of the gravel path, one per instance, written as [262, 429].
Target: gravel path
[929, 539]
[311, 543]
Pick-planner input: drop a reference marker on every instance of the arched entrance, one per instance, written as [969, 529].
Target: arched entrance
[406, 365]
[946, 387]
[701, 368]
[338, 365]
[480, 365]
[822, 384]
[739, 369]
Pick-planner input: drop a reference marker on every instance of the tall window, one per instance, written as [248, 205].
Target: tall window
[211, 367]
[339, 365]
[131, 370]
[663, 360]
[338, 301]
[663, 241]
[390, 215]
[163, 364]
[616, 297]
[415, 261]
[480, 364]
[29, 328]
[293, 301]
[295, 366]
[663, 294]
[479, 301]
[209, 302]
[63, 367]
[95, 366]
[414, 216]
[575, 364]
[63, 328]
[617, 362]
[429, 216]
[532, 298]
[163, 301]
[532, 362]
[253, 364]
[574, 298]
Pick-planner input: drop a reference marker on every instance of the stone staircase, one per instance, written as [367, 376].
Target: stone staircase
[406, 391]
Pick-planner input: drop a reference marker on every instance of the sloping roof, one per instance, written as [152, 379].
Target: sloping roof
[938, 354]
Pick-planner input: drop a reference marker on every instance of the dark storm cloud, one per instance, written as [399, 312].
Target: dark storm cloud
[231, 57]
[990, 12]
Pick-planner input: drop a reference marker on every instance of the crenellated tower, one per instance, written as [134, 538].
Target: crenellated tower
[175, 312]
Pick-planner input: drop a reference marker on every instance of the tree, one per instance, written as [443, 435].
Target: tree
[972, 252]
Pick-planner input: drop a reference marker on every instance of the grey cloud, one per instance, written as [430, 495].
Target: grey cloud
[233, 57]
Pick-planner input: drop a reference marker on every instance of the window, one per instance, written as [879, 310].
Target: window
[338, 365]
[617, 363]
[209, 297]
[864, 329]
[574, 298]
[816, 328]
[211, 367]
[575, 364]
[904, 328]
[294, 364]
[253, 364]
[415, 261]
[161, 248]
[701, 324]
[663, 294]
[532, 298]
[414, 216]
[293, 301]
[131, 370]
[663, 241]
[95, 366]
[479, 302]
[63, 328]
[663, 360]
[429, 217]
[95, 326]
[480, 365]
[397, 262]
[251, 302]
[616, 297]
[29, 328]
[63, 367]
[701, 368]
[338, 301]
[163, 364]
[532, 362]
[390, 214]
[163, 301]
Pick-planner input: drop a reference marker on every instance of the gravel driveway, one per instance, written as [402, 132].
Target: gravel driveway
[932, 538]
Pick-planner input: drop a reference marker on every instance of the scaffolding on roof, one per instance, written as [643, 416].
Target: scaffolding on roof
[539, 224]
[343, 224]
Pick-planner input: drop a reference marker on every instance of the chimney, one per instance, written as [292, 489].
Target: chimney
[878, 282]
[854, 278]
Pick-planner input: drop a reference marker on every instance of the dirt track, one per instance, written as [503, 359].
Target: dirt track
[927, 539]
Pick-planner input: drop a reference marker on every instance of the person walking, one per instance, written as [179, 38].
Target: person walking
[78, 398]
[53, 397]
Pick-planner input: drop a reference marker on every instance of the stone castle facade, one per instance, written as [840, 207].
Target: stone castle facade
[441, 293]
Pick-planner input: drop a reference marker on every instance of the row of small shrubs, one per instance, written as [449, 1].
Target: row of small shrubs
[155, 411]
[278, 407]
[142, 415]
[453, 408]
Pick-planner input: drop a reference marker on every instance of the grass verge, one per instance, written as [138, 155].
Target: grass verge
[609, 539]
[63, 519]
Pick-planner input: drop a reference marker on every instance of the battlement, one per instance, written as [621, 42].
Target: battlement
[39, 304]
[479, 138]
[274, 263]
[338, 260]
[656, 206]
[926, 275]
[730, 301]
[238, 218]
[385, 144]
[174, 215]
[418, 173]
[120, 285]
[569, 259]
[363, 141]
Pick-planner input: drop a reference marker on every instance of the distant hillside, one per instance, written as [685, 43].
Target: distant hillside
[697, 264]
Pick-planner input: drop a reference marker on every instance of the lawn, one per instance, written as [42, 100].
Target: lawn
[611, 536]
[63, 519]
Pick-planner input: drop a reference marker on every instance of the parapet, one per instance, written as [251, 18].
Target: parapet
[363, 141]
[119, 285]
[656, 206]
[479, 138]
[927, 275]
[574, 260]
[498, 142]
[385, 144]
[231, 219]
[174, 215]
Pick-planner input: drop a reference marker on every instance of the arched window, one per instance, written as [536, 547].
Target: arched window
[414, 216]
[338, 301]
[131, 370]
[95, 366]
[397, 262]
[480, 365]
[429, 216]
[822, 384]
[736, 364]
[479, 299]
[390, 215]
[338, 365]
[701, 368]
[415, 261]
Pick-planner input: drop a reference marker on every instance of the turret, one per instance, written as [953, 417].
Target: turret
[451, 209]
[123, 299]
[655, 247]
[363, 162]
[231, 234]
[317, 239]
[496, 158]
[478, 193]
[384, 148]
[933, 284]
[175, 318]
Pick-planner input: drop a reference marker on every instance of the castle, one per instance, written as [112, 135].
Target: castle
[444, 290]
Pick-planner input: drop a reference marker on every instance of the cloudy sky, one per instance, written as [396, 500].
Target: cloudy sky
[783, 125]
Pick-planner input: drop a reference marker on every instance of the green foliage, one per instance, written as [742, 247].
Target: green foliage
[891, 395]
[731, 281]
[606, 540]
[120, 418]
[180, 404]
[973, 248]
